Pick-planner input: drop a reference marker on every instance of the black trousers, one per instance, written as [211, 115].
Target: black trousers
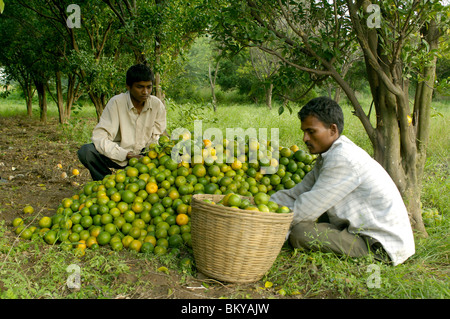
[98, 165]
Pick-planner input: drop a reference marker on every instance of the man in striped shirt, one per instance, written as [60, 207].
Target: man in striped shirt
[363, 207]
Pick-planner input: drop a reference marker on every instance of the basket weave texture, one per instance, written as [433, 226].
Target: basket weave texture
[235, 245]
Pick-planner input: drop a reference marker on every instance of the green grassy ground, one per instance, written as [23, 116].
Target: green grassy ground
[294, 274]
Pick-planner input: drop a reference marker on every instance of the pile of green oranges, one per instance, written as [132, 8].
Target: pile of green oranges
[145, 207]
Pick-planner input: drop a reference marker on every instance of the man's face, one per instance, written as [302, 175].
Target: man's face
[140, 91]
[318, 136]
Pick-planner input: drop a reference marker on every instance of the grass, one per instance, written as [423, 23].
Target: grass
[294, 273]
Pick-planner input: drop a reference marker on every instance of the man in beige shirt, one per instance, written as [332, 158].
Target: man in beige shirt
[129, 123]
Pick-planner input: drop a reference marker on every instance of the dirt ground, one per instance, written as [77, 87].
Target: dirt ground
[29, 156]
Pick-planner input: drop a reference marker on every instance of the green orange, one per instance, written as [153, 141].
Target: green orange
[103, 238]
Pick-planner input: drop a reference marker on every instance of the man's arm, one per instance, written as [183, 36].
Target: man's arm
[104, 133]
[337, 178]
[160, 123]
[287, 197]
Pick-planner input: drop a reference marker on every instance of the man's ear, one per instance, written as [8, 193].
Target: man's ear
[334, 130]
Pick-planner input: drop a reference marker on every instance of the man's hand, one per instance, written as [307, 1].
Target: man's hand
[131, 155]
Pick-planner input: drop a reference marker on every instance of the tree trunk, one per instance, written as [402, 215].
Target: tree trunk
[212, 82]
[29, 99]
[60, 99]
[26, 83]
[99, 103]
[157, 84]
[269, 90]
[400, 146]
[42, 97]
[72, 93]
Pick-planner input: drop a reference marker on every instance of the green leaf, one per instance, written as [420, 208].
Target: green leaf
[2, 6]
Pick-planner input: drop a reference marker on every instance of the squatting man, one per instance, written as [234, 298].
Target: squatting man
[347, 204]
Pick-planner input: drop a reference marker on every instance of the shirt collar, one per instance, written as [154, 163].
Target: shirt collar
[338, 141]
[147, 105]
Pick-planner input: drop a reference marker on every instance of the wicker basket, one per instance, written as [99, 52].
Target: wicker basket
[235, 245]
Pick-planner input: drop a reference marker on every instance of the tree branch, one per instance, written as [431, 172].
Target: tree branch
[281, 36]
[371, 58]
[299, 67]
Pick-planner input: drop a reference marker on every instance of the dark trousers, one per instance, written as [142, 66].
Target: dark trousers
[326, 237]
[98, 165]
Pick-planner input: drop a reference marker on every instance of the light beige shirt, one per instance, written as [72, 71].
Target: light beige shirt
[121, 129]
[354, 190]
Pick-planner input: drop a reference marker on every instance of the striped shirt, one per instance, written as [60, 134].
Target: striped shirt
[121, 129]
[354, 190]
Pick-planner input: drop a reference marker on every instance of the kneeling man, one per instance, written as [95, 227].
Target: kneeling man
[363, 208]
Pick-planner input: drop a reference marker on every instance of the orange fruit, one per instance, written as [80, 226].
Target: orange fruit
[152, 154]
[161, 233]
[283, 210]
[91, 241]
[122, 206]
[26, 233]
[135, 232]
[137, 207]
[160, 250]
[135, 245]
[175, 240]
[140, 223]
[234, 200]
[237, 164]
[214, 170]
[45, 222]
[150, 239]
[286, 152]
[117, 246]
[120, 177]
[182, 219]
[74, 237]
[28, 209]
[95, 231]
[81, 244]
[207, 142]
[182, 171]
[103, 238]
[147, 247]
[199, 170]
[294, 148]
[151, 188]
[19, 221]
[132, 171]
[128, 196]
[106, 219]
[111, 228]
[173, 194]
[134, 187]
[84, 234]
[182, 208]
[126, 240]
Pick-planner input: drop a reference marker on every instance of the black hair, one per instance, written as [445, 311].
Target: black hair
[325, 110]
[138, 73]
